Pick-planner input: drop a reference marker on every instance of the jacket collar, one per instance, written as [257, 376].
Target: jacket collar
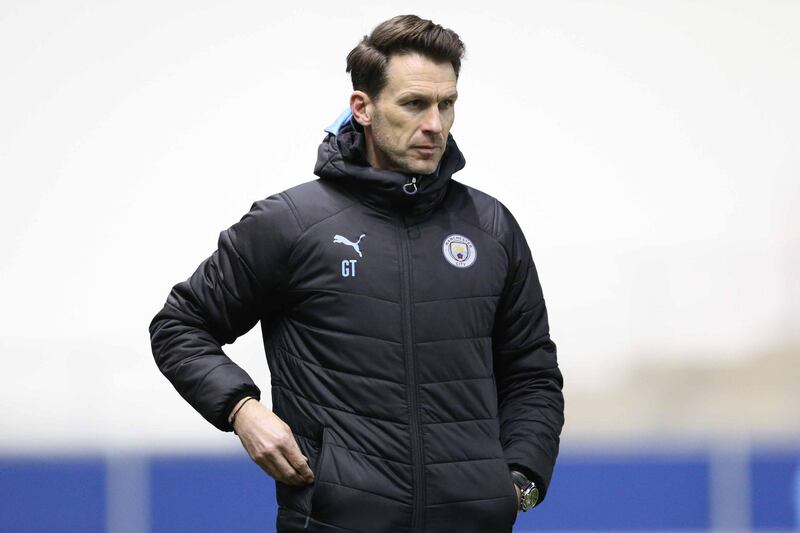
[341, 157]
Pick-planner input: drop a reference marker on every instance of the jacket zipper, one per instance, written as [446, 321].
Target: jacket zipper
[418, 508]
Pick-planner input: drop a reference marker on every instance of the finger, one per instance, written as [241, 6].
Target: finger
[295, 458]
[279, 468]
[299, 462]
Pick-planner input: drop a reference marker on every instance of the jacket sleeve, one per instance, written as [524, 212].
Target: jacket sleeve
[529, 382]
[239, 284]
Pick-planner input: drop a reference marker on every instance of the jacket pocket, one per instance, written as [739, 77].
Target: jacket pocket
[298, 498]
[317, 467]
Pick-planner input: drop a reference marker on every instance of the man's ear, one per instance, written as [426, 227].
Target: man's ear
[361, 106]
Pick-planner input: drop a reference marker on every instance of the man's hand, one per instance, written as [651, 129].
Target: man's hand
[270, 443]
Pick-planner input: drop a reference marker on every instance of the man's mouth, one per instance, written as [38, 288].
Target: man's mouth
[426, 149]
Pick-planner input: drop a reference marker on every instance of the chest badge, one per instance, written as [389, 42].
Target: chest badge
[459, 251]
[349, 265]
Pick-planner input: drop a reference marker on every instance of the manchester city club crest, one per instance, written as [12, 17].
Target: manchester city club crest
[459, 251]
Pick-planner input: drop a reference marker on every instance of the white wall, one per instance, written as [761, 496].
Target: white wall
[649, 150]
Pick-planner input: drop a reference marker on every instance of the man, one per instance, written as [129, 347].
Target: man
[415, 387]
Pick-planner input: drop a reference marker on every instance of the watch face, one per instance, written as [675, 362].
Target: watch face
[529, 497]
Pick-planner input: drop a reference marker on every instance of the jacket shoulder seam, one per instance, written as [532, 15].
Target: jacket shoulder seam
[293, 209]
[493, 225]
[471, 223]
[345, 208]
[309, 228]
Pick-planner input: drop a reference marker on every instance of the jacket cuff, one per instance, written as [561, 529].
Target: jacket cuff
[247, 390]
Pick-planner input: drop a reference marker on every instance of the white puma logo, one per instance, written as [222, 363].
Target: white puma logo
[344, 240]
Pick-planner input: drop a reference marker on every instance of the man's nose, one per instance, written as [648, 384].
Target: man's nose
[432, 122]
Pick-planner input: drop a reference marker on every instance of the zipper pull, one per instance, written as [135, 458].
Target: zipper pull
[412, 183]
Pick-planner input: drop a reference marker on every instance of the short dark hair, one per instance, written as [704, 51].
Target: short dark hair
[402, 34]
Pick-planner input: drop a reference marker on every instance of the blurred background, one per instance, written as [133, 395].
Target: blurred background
[648, 149]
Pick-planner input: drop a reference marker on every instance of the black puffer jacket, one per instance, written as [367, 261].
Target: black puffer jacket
[406, 336]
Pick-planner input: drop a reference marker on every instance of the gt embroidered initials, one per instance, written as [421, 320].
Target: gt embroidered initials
[349, 265]
[349, 268]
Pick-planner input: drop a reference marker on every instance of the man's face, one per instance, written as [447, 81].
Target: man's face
[412, 116]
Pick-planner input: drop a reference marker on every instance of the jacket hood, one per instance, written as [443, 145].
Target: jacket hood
[341, 157]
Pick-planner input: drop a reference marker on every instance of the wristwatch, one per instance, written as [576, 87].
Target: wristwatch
[529, 493]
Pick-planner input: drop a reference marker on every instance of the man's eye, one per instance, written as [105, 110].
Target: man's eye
[447, 104]
[414, 103]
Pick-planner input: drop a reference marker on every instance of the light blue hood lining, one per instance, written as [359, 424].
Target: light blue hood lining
[340, 121]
